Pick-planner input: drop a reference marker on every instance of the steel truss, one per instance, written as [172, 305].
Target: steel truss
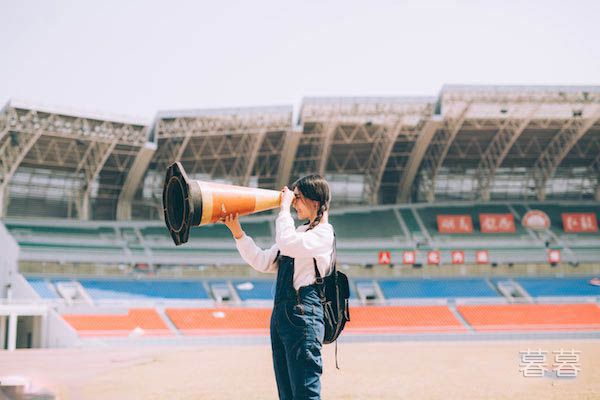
[228, 144]
[356, 136]
[476, 134]
[510, 110]
[571, 132]
[438, 149]
[42, 138]
[496, 152]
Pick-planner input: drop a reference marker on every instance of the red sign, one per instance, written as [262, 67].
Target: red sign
[497, 223]
[579, 222]
[385, 257]
[433, 257]
[554, 256]
[482, 257]
[458, 257]
[408, 257]
[536, 220]
[455, 224]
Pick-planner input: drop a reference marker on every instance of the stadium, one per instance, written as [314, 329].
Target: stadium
[461, 219]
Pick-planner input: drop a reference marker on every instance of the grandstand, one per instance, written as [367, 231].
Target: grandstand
[86, 256]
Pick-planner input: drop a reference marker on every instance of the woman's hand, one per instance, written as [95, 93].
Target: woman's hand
[233, 223]
[287, 197]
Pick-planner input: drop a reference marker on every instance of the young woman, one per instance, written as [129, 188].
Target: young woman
[297, 327]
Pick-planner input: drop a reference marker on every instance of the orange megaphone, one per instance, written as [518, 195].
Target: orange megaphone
[188, 202]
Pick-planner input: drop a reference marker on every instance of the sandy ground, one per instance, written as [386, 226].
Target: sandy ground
[401, 370]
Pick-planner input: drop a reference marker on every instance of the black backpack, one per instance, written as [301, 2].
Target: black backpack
[334, 292]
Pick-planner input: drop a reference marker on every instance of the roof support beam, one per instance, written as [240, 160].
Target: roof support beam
[438, 149]
[326, 140]
[290, 146]
[245, 156]
[430, 127]
[13, 150]
[382, 148]
[3, 123]
[595, 169]
[134, 178]
[558, 148]
[91, 164]
[253, 155]
[496, 152]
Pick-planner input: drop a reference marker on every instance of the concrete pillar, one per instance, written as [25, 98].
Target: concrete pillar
[12, 332]
[4, 199]
[43, 330]
[2, 331]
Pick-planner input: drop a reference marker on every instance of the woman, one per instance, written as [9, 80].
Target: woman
[297, 327]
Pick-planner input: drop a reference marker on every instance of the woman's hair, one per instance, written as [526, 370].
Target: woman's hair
[315, 187]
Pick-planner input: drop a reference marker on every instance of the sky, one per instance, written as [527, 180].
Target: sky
[134, 58]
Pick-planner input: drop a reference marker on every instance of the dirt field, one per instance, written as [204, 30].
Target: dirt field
[401, 370]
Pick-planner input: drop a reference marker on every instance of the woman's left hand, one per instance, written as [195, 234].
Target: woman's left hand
[287, 196]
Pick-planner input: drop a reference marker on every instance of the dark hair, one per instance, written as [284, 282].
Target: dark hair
[315, 187]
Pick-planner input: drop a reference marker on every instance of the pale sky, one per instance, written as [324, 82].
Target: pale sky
[135, 58]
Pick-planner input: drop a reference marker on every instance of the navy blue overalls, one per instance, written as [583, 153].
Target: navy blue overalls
[297, 331]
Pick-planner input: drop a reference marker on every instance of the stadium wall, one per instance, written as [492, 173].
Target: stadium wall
[9, 255]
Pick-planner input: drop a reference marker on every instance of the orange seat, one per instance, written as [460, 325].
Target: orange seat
[402, 319]
[147, 320]
[532, 316]
[215, 321]
[405, 319]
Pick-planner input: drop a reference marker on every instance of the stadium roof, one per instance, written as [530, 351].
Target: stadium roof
[468, 143]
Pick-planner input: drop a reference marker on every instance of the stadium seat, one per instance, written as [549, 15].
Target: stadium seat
[139, 322]
[117, 289]
[43, 287]
[218, 321]
[370, 224]
[402, 319]
[435, 288]
[567, 286]
[255, 289]
[526, 317]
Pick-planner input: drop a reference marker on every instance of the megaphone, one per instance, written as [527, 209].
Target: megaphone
[188, 202]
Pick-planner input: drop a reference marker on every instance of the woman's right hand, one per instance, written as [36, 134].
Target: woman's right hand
[233, 223]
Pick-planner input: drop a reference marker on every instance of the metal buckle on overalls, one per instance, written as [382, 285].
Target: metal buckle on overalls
[298, 307]
[319, 281]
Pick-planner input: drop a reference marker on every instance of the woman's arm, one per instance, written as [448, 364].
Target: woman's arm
[259, 259]
[300, 244]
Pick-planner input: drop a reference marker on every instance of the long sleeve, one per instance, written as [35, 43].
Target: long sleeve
[259, 259]
[300, 244]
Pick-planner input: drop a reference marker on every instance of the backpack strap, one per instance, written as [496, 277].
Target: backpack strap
[320, 283]
[333, 261]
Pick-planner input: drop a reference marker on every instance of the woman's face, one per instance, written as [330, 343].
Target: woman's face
[303, 206]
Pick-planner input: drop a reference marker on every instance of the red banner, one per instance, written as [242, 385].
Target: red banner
[497, 223]
[385, 257]
[579, 222]
[433, 257]
[455, 224]
[482, 257]
[458, 257]
[408, 257]
[554, 256]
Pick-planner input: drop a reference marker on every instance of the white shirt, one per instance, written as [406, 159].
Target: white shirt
[293, 242]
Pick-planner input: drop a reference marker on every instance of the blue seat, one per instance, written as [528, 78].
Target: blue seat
[255, 289]
[436, 288]
[130, 289]
[579, 286]
[41, 287]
